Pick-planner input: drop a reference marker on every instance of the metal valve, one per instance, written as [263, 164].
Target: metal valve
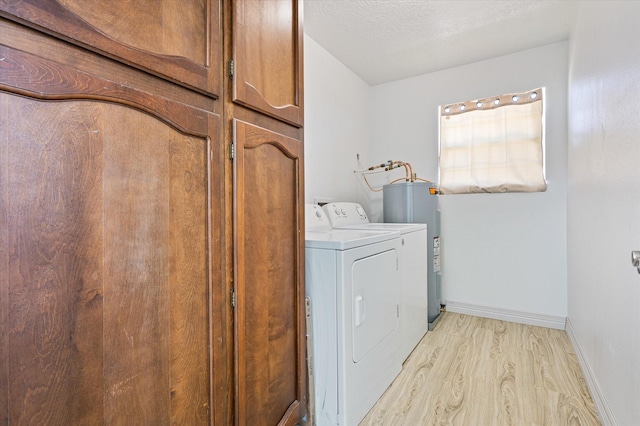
[635, 259]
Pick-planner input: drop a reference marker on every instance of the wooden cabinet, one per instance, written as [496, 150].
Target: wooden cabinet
[110, 241]
[267, 58]
[265, 114]
[271, 386]
[107, 291]
[123, 233]
[177, 40]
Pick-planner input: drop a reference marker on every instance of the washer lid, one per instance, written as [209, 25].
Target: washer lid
[344, 239]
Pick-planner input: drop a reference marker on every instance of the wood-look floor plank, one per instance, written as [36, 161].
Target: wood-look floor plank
[479, 371]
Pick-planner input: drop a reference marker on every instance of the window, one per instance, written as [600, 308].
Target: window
[493, 145]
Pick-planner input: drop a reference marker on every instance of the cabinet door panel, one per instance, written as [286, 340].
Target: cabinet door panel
[179, 41]
[267, 46]
[269, 282]
[106, 264]
[111, 240]
[156, 306]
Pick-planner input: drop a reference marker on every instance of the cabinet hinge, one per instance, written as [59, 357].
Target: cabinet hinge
[231, 69]
[232, 150]
[233, 298]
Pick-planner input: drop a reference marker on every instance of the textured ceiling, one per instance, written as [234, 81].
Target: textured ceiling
[387, 40]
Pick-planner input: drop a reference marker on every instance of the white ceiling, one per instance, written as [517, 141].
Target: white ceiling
[387, 40]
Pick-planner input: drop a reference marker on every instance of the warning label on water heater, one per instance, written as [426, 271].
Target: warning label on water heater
[436, 254]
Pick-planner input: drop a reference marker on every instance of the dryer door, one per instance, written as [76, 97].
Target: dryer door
[368, 326]
[375, 295]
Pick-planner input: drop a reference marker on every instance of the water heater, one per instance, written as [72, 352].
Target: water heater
[412, 202]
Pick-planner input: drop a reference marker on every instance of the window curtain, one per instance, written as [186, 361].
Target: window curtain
[493, 145]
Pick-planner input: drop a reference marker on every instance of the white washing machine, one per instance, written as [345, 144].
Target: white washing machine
[352, 281]
[414, 320]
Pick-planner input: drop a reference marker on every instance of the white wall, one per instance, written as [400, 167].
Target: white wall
[505, 251]
[337, 126]
[604, 204]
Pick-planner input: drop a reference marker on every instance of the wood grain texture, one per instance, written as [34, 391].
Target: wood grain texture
[478, 371]
[42, 46]
[270, 309]
[4, 265]
[267, 48]
[189, 310]
[163, 27]
[26, 74]
[105, 274]
[54, 324]
[179, 41]
[155, 217]
[136, 264]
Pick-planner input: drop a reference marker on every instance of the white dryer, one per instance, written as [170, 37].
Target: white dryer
[414, 320]
[352, 281]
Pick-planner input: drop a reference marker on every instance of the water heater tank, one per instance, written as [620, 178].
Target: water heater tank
[412, 202]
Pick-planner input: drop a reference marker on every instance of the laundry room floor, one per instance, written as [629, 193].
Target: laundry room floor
[479, 371]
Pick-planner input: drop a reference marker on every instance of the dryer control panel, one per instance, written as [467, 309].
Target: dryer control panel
[315, 218]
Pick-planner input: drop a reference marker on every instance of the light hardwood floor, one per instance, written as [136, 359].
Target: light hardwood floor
[478, 371]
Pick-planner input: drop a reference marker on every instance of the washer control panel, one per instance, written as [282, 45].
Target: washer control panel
[345, 214]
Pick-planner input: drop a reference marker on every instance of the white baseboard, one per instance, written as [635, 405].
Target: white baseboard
[605, 413]
[528, 318]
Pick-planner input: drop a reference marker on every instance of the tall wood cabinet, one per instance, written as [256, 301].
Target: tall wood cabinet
[265, 51]
[139, 281]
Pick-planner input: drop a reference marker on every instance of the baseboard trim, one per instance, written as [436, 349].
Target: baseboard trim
[604, 411]
[528, 318]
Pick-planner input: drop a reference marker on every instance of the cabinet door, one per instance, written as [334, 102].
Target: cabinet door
[177, 40]
[267, 57]
[109, 250]
[271, 382]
